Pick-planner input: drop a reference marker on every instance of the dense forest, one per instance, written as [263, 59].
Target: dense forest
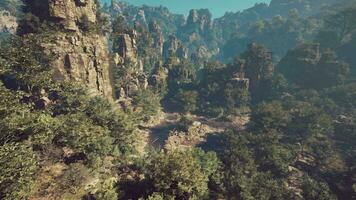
[114, 101]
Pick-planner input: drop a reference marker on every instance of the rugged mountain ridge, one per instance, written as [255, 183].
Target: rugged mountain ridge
[207, 38]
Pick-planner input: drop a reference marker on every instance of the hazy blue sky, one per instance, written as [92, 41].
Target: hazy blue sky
[217, 7]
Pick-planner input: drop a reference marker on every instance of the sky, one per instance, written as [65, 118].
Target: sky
[217, 7]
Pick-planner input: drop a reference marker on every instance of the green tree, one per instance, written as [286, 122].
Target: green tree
[235, 97]
[311, 128]
[18, 168]
[186, 101]
[270, 115]
[338, 26]
[315, 190]
[147, 104]
[258, 67]
[181, 174]
[307, 67]
[242, 179]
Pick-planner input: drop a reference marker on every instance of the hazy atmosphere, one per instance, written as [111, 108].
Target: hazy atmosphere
[217, 7]
[177, 100]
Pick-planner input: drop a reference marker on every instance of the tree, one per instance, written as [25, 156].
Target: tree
[147, 104]
[242, 179]
[186, 101]
[236, 97]
[180, 76]
[258, 67]
[307, 67]
[24, 65]
[181, 174]
[311, 128]
[18, 168]
[315, 190]
[338, 26]
[270, 115]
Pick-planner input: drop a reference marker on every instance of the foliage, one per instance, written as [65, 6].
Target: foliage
[19, 165]
[147, 104]
[307, 67]
[11, 5]
[242, 180]
[186, 101]
[316, 191]
[182, 174]
[38, 114]
[278, 34]
[337, 27]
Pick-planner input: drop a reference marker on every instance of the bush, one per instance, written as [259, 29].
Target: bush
[18, 167]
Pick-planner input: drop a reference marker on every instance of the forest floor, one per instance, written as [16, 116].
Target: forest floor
[156, 135]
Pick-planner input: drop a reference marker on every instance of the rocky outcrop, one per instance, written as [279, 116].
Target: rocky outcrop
[125, 59]
[174, 47]
[125, 46]
[8, 22]
[202, 55]
[200, 18]
[71, 12]
[83, 59]
[79, 55]
[157, 35]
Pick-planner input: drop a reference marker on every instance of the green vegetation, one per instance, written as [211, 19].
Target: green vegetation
[290, 73]
[41, 120]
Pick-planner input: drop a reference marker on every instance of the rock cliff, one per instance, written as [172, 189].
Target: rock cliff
[201, 19]
[8, 22]
[158, 38]
[174, 47]
[126, 62]
[80, 52]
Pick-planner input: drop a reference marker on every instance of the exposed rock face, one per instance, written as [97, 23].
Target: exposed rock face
[70, 12]
[158, 39]
[141, 18]
[200, 18]
[7, 22]
[125, 57]
[201, 55]
[126, 47]
[83, 59]
[174, 47]
[80, 56]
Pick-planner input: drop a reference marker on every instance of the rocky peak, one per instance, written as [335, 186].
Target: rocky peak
[140, 18]
[67, 14]
[158, 38]
[174, 47]
[125, 57]
[201, 18]
[125, 46]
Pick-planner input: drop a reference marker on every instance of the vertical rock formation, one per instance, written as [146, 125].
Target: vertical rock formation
[158, 39]
[80, 52]
[174, 47]
[125, 59]
[125, 46]
[201, 19]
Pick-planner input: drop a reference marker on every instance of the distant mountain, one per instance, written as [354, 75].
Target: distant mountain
[225, 37]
